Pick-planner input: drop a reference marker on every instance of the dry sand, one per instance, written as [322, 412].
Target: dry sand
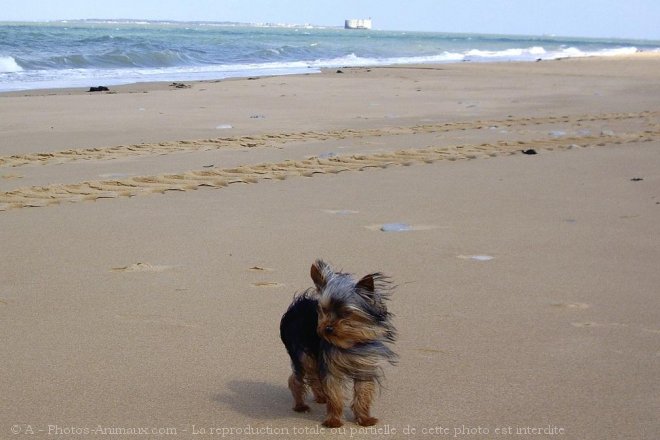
[152, 237]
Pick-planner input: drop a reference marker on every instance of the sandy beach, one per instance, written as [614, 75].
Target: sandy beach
[153, 235]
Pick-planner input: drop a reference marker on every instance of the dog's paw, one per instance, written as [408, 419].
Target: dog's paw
[301, 408]
[367, 421]
[332, 423]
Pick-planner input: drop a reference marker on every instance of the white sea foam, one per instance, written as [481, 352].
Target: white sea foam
[9, 64]
[64, 78]
[619, 51]
[476, 55]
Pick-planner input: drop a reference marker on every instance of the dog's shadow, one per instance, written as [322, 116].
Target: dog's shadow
[264, 401]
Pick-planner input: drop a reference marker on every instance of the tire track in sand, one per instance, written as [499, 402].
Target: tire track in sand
[217, 178]
[271, 140]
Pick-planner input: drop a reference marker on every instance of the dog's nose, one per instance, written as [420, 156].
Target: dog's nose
[329, 329]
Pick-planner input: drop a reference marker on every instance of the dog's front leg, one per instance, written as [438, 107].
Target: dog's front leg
[364, 391]
[332, 388]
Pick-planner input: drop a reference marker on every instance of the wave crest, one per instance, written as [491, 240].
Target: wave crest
[9, 65]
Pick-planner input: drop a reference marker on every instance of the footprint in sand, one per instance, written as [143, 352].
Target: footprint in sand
[260, 269]
[430, 350]
[141, 267]
[155, 319]
[271, 284]
[597, 324]
[266, 284]
[585, 324]
[652, 330]
[340, 211]
[114, 175]
[11, 176]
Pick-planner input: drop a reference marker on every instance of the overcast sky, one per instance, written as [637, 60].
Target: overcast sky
[590, 18]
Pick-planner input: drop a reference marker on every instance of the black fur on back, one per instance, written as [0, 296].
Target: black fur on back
[298, 330]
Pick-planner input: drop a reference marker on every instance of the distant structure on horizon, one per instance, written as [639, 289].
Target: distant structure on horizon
[357, 23]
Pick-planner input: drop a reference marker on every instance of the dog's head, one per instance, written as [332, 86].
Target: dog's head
[351, 312]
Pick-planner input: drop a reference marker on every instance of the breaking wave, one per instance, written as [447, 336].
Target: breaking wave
[75, 54]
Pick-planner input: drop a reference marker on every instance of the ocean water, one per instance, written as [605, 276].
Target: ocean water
[84, 54]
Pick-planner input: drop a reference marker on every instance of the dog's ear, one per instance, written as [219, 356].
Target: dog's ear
[366, 285]
[375, 288]
[317, 273]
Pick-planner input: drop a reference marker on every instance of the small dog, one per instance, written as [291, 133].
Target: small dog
[336, 333]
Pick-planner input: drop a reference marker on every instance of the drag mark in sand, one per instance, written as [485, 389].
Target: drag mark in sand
[37, 196]
[272, 140]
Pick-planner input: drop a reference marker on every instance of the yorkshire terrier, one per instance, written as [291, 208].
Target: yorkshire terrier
[337, 333]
